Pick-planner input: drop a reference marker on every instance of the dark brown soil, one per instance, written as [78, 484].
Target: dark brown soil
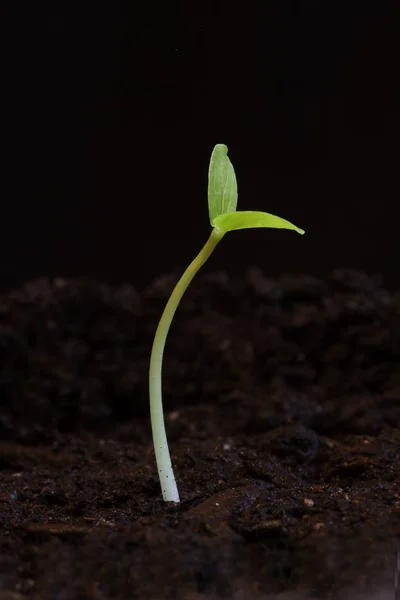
[282, 401]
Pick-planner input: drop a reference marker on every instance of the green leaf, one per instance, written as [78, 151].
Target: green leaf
[222, 186]
[248, 219]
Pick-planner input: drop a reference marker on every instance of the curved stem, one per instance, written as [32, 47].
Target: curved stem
[163, 459]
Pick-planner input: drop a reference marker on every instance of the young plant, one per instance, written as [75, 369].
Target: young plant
[222, 201]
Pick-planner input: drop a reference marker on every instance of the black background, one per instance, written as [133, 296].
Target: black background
[112, 111]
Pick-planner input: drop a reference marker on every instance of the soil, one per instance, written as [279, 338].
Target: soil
[282, 404]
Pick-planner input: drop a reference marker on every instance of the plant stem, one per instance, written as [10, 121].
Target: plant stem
[163, 459]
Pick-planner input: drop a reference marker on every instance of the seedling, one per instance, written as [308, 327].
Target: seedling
[222, 202]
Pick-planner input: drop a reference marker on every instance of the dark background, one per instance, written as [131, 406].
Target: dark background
[112, 110]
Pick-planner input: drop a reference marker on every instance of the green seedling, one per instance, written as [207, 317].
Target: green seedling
[222, 202]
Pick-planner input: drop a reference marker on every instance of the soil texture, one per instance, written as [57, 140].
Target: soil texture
[282, 406]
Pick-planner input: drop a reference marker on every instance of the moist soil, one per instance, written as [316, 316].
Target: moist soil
[282, 404]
